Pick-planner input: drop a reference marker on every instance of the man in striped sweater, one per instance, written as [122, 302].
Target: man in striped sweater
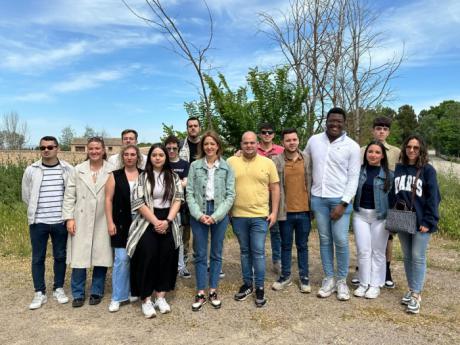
[43, 186]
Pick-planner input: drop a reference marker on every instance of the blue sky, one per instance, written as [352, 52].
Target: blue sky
[91, 62]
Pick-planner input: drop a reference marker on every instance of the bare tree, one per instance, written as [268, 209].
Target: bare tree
[329, 45]
[185, 48]
[14, 133]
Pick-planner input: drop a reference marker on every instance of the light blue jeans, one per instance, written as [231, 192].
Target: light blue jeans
[414, 251]
[200, 247]
[251, 234]
[332, 235]
[120, 275]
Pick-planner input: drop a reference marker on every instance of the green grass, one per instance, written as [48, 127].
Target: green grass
[14, 231]
[449, 223]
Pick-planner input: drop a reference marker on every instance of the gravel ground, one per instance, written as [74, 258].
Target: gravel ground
[289, 316]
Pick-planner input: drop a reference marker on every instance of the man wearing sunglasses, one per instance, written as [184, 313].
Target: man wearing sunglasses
[43, 186]
[380, 131]
[267, 148]
[128, 137]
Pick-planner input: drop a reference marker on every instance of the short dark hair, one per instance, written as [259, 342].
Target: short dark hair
[49, 138]
[288, 131]
[382, 121]
[266, 125]
[193, 118]
[172, 139]
[128, 131]
[337, 110]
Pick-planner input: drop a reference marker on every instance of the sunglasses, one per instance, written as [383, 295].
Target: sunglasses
[266, 132]
[96, 139]
[172, 148]
[49, 147]
[414, 148]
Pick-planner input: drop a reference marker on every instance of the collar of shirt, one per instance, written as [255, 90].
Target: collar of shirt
[275, 150]
[214, 165]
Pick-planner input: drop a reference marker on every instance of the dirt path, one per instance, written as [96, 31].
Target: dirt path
[289, 317]
[444, 166]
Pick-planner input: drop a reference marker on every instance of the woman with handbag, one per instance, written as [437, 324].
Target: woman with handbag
[371, 206]
[210, 195]
[154, 236]
[415, 185]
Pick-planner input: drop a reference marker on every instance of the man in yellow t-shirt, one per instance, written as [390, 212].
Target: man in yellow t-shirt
[255, 178]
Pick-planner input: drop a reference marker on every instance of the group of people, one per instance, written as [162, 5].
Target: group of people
[136, 212]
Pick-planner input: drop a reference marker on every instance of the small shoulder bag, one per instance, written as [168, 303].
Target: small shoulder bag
[402, 218]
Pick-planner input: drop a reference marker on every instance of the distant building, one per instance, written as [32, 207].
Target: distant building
[112, 145]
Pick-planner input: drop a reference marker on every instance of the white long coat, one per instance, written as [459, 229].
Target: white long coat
[84, 202]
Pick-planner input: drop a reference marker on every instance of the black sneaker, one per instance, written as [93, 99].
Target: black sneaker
[200, 300]
[95, 299]
[244, 292]
[214, 300]
[78, 302]
[260, 299]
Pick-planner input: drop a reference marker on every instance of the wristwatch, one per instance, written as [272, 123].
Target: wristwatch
[344, 204]
[169, 221]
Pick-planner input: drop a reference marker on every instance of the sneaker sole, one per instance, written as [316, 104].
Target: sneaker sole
[218, 306]
[282, 287]
[325, 294]
[261, 304]
[198, 308]
[150, 316]
[410, 311]
[343, 298]
[243, 298]
[390, 286]
[185, 277]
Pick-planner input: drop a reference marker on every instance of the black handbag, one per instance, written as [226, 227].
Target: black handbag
[402, 218]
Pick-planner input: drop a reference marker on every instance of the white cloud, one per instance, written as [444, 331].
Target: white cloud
[86, 81]
[33, 97]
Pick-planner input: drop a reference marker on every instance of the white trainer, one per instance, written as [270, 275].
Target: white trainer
[148, 309]
[133, 299]
[360, 291]
[372, 292]
[327, 288]
[60, 296]
[114, 306]
[39, 299]
[343, 294]
[162, 305]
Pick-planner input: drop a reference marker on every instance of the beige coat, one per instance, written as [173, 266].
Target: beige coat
[84, 202]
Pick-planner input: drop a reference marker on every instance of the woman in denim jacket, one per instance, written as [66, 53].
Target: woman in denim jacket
[210, 195]
[371, 206]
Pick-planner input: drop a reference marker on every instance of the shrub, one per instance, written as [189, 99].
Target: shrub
[449, 222]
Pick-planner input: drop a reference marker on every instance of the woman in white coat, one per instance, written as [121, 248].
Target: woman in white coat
[89, 241]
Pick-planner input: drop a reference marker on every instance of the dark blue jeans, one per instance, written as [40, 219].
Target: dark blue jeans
[298, 222]
[251, 234]
[78, 281]
[200, 247]
[275, 241]
[39, 234]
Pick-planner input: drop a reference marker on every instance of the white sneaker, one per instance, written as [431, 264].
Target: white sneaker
[133, 299]
[282, 283]
[60, 296]
[148, 309]
[162, 305]
[114, 306]
[38, 300]
[360, 291]
[343, 294]
[372, 292]
[327, 288]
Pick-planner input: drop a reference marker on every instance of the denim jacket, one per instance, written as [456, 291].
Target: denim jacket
[381, 198]
[224, 189]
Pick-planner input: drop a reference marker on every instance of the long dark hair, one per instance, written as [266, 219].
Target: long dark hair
[423, 151]
[383, 163]
[166, 170]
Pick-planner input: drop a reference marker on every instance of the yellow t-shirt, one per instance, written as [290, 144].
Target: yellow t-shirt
[252, 180]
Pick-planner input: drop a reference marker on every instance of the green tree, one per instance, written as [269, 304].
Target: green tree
[267, 97]
[169, 130]
[406, 120]
[67, 135]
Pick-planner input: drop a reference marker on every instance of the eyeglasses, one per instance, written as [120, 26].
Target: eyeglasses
[49, 147]
[414, 148]
[172, 148]
[381, 128]
[266, 132]
[97, 139]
